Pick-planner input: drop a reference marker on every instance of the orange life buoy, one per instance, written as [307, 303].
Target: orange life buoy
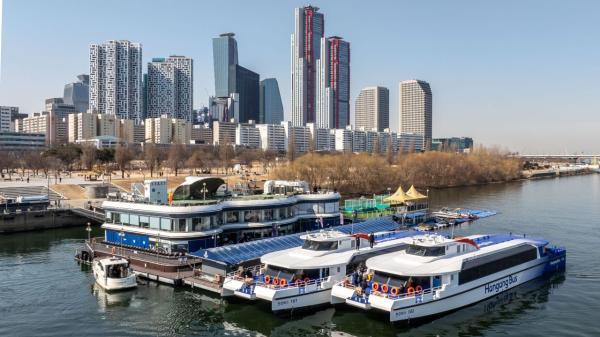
[419, 289]
[275, 281]
[282, 282]
[375, 286]
[385, 288]
[395, 291]
[410, 291]
[267, 279]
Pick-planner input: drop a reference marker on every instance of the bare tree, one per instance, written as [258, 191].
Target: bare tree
[123, 156]
[291, 150]
[151, 157]
[176, 157]
[88, 157]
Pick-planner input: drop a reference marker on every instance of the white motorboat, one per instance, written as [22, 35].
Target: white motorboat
[436, 274]
[114, 273]
[303, 276]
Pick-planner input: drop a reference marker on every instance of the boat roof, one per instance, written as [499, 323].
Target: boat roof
[239, 253]
[109, 261]
[401, 263]
[300, 258]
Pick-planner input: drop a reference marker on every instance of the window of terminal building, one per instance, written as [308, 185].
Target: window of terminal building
[144, 221]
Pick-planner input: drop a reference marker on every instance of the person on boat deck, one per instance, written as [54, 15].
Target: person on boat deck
[364, 284]
[357, 243]
[371, 239]
[354, 278]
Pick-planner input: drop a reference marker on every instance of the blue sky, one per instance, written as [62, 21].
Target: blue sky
[524, 75]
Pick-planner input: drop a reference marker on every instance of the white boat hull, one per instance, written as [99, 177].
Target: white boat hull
[113, 284]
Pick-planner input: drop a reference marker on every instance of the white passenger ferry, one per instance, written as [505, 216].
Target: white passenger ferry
[303, 276]
[436, 274]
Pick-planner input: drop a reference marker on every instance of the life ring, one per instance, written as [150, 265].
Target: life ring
[384, 288]
[283, 282]
[395, 291]
[410, 291]
[276, 281]
[306, 280]
[419, 289]
[267, 279]
[375, 286]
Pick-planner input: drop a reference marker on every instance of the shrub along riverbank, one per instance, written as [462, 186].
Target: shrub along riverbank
[356, 174]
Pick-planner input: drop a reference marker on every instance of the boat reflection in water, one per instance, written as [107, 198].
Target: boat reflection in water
[107, 299]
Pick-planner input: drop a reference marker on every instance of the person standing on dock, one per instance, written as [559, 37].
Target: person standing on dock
[371, 239]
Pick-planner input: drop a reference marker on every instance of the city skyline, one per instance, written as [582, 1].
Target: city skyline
[496, 88]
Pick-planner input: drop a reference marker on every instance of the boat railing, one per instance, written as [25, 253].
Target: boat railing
[388, 294]
[239, 274]
[298, 284]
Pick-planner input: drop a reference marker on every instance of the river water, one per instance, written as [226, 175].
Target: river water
[44, 292]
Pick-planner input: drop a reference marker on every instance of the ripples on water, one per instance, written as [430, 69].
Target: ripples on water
[43, 292]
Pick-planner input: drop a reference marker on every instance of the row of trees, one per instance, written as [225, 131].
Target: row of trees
[355, 174]
[150, 157]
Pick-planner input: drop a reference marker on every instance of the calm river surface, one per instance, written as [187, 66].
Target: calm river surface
[44, 292]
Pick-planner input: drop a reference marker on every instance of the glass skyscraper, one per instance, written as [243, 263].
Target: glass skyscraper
[77, 93]
[225, 56]
[271, 107]
[231, 78]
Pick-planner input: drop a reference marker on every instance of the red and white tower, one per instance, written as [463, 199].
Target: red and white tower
[306, 50]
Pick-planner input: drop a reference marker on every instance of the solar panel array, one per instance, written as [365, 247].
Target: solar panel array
[235, 254]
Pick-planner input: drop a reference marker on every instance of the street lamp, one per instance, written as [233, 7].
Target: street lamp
[204, 190]
[88, 229]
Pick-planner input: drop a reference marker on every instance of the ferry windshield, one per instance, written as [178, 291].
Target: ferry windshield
[320, 245]
[425, 251]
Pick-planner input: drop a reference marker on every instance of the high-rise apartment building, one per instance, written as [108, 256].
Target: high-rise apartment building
[165, 130]
[270, 107]
[333, 84]
[372, 109]
[416, 109]
[77, 93]
[306, 50]
[116, 79]
[170, 88]
[231, 78]
[6, 113]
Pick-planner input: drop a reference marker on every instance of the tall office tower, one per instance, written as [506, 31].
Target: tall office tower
[270, 107]
[225, 58]
[372, 109]
[77, 93]
[306, 50]
[416, 109]
[170, 88]
[333, 84]
[231, 78]
[116, 79]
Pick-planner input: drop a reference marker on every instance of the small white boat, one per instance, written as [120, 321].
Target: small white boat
[113, 273]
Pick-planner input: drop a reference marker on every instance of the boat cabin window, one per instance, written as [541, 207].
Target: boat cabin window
[320, 245]
[291, 274]
[493, 263]
[401, 281]
[426, 251]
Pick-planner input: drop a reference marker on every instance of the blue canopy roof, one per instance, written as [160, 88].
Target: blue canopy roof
[238, 253]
